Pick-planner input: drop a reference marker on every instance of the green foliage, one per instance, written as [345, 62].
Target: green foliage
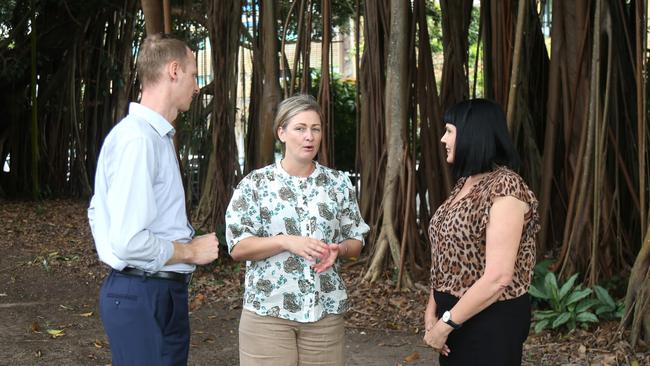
[607, 308]
[344, 111]
[344, 117]
[434, 24]
[569, 305]
[6, 9]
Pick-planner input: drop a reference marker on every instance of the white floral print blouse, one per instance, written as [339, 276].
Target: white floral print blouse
[270, 202]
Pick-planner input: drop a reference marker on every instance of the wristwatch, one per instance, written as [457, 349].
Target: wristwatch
[446, 318]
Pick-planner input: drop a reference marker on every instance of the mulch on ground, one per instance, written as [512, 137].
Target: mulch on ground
[56, 234]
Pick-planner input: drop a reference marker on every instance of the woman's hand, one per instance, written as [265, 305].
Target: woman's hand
[430, 318]
[308, 248]
[328, 258]
[436, 337]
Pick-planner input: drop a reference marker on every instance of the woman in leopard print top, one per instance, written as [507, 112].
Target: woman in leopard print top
[482, 244]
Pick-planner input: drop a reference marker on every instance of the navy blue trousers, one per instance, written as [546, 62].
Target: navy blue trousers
[146, 320]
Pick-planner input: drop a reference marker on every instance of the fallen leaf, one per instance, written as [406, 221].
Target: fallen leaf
[55, 333]
[36, 328]
[412, 357]
[99, 344]
[197, 302]
[86, 315]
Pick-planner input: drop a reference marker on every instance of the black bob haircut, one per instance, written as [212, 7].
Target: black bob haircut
[482, 139]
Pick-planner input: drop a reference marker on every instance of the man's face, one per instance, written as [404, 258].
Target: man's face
[187, 84]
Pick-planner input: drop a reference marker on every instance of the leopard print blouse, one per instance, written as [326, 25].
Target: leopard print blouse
[457, 234]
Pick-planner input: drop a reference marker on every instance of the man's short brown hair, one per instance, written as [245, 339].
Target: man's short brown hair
[155, 52]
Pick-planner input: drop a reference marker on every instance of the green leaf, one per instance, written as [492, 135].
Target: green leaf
[587, 317]
[550, 285]
[604, 297]
[563, 318]
[537, 293]
[576, 296]
[541, 325]
[568, 285]
[56, 333]
[620, 311]
[571, 325]
[585, 305]
[544, 314]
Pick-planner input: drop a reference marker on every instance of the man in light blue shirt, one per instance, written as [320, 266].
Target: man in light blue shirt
[138, 217]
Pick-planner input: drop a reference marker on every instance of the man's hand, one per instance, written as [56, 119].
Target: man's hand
[201, 250]
[204, 248]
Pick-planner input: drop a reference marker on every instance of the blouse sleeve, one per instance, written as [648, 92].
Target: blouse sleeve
[243, 218]
[509, 183]
[350, 221]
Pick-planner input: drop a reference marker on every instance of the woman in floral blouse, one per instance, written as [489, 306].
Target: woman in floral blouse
[290, 221]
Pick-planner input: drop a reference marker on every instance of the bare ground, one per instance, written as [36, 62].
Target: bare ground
[50, 277]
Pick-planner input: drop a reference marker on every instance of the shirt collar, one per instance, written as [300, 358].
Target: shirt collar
[283, 173]
[158, 122]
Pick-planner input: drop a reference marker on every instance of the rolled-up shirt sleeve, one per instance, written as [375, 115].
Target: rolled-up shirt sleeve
[243, 218]
[351, 222]
[133, 207]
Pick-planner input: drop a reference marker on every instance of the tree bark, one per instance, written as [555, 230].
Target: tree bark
[154, 21]
[324, 155]
[223, 167]
[456, 17]
[271, 95]
[397, 84]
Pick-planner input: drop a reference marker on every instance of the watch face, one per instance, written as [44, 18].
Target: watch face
[445, 316]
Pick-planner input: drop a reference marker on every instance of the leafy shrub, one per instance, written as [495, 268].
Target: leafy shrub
[607, 308]
[570, 305]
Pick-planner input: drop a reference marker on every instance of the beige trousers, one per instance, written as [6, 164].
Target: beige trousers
[270, 341]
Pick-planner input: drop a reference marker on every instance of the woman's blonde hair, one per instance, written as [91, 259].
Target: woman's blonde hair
[290, 107]
[155, 52]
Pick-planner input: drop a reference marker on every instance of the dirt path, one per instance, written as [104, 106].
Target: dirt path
[49, 280]
[50, 276]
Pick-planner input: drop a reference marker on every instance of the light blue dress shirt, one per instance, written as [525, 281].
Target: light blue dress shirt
[138, 208]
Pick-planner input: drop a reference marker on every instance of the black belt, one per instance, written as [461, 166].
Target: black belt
[171, 276]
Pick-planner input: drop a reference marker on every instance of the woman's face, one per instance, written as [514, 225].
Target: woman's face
[301, 136]
[449, 140]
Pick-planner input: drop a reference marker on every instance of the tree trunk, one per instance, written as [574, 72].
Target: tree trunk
[371, 149]
[397, 86]
[271, 94]
[324, 154]
[456, 17]
[35, 178]
[637, 298]
[223, 167]
[154, 21]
